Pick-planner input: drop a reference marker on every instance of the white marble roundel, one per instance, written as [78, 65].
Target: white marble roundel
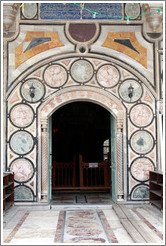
[81, 71]
[108, 76]
[140, 169]
[141, 115]
[29, 10]
[23, 170]
[21, 115]
[142, 142]
[21, 142]
[55, 76]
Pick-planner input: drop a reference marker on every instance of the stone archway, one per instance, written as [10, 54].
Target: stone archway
[73, 94]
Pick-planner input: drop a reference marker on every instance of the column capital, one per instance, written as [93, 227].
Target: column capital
[119, 124]
[44, 124]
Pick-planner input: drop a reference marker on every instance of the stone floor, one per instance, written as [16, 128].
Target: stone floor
[82, 222]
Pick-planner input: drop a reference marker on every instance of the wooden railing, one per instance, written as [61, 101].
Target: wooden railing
[63, 174]
[93, 174]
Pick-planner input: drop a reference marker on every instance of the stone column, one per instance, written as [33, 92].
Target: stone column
[119, 149]
[44, 160]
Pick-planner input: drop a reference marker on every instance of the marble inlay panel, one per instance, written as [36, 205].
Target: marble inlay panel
[23, 193]
[55, 76]
[141, 115]
[23, 169]
[81, 71]
[137, 51]
[21, 115]
[21, 56]
[141, 192]
[21, 142]
[87, 231]
[142, 142]
[108, 76]
[140, 169]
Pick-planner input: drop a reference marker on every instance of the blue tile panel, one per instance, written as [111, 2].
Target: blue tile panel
[69, 11]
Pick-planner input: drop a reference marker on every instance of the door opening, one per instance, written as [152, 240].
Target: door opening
[81, 156]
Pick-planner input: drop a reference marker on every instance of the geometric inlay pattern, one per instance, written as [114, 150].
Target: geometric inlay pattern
[22, 55]
[133, 49]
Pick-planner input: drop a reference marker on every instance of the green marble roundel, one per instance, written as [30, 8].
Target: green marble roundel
[21, 142]
[141, 193]
[142, 142]
[22, 193]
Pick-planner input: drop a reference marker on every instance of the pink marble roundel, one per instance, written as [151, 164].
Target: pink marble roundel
[141, 115]
[23, 170]
[55, 76]
[140, 169]
[21, 115]
[108, 76]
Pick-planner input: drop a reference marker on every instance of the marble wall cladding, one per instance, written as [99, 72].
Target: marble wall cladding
[63, 83]
[23, 193]
[33, 44]
[128, 45]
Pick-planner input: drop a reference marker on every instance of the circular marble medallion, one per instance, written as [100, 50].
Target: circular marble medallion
[21, 115]
[142, 142]
[141, 192]
[124, 91]
[23, 193]
[55, 75]
[23, 170]
[32, 90]
[82, 71]
[108, 76]
[140, 169]
[132, 10]
[30, 10]
[21, 142]
[141, 115]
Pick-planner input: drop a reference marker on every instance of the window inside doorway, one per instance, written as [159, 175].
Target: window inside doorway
[106, 149]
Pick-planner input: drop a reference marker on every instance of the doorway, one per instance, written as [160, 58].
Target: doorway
[81, 148]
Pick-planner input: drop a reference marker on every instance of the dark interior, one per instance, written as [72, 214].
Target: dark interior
[80, 128]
